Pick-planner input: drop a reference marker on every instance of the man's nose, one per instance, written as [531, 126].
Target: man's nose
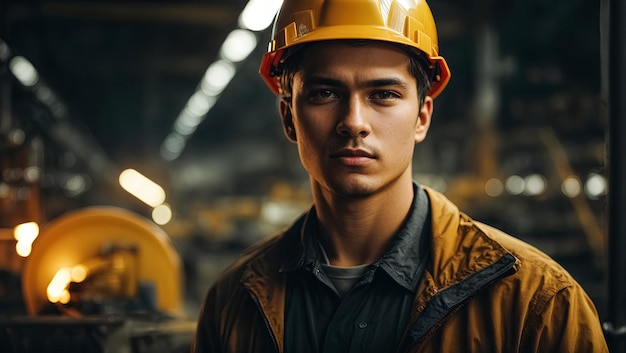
[353, 122]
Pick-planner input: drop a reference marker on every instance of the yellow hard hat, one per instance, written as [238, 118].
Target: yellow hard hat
[408, 22]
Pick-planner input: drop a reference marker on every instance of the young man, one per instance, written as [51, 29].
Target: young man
[381, 263]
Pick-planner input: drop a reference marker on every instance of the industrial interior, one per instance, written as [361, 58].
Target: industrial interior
[97, 97]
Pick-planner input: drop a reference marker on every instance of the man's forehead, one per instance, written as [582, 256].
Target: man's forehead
[336, 57]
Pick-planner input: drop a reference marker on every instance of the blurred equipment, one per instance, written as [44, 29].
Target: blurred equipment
[100, 279]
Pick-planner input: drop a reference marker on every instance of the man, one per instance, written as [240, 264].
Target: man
[381, 263]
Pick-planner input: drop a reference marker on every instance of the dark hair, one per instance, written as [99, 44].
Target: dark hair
[419, 66]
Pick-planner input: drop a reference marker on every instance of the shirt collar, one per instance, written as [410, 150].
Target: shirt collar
[403, 262]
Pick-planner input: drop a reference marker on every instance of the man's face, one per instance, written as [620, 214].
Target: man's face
[355, 116]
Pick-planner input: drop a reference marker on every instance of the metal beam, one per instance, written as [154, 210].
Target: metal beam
[615, 326]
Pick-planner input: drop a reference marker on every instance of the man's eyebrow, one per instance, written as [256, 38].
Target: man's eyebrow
[321, 80]
[380, 82]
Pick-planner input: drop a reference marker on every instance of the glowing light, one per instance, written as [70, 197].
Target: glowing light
[75, 183]
[174, 142]
[26, 231]
[78, 273]
[65, 297]
[24, 71]
[199, 104]
[23, 249]
[25, 234]
[162, 214]
[514, 185]
[272, 212]
[187, 121]
[259, 14]
[494, 187]
[217, 77]
[168, 154]
[238, 45]
[17, 137]
[535, 184]
[571, 186]
[58, 285]
[595, 186]
[141, 187]
[187, 117]
[32, 174]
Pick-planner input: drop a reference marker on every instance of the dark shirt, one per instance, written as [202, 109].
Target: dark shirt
[372, 315]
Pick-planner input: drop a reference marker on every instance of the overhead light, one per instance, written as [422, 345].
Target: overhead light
[200, 103]
[24, 71]
[259, 14]
[167, 152]
[141, 187]
[185, 129]
[238, 45]
[217, 77]
[256, 16]
[174, 142]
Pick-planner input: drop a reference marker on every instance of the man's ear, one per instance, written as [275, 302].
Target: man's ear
[423, 120]
[287, 119]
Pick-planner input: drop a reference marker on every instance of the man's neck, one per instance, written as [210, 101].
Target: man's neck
[358, 230]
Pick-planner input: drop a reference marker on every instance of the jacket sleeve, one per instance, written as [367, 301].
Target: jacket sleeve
[568, 323]
[207, 338]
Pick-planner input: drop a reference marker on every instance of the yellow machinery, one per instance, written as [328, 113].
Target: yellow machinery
[100, 279]
[122, 251]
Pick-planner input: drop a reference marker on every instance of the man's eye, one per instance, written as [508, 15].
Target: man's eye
[322, 95]
[325, 93]
[385, 95]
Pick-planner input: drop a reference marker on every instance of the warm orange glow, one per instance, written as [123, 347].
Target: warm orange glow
[23, 249]
[79, 273]
[58, 285]
[25, 234]
[141, 187]
[65, 297]
[26, 231]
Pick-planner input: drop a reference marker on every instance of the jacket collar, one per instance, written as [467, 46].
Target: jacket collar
[405, 260]
[452, 232]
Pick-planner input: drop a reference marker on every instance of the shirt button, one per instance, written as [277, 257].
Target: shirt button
[362, 324]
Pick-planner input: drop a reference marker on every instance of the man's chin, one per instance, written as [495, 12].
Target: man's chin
[355, 188]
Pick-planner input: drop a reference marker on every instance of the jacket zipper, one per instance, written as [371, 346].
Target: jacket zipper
[501, 274]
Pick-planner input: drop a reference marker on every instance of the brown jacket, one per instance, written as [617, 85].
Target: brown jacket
[483, 291]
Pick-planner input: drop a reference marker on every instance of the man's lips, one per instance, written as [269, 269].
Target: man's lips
[347, 152]
[353, 157]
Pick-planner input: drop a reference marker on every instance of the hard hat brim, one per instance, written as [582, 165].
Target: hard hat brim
[271, 60]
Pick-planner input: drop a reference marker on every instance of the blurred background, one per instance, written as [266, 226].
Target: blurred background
[98, 96]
